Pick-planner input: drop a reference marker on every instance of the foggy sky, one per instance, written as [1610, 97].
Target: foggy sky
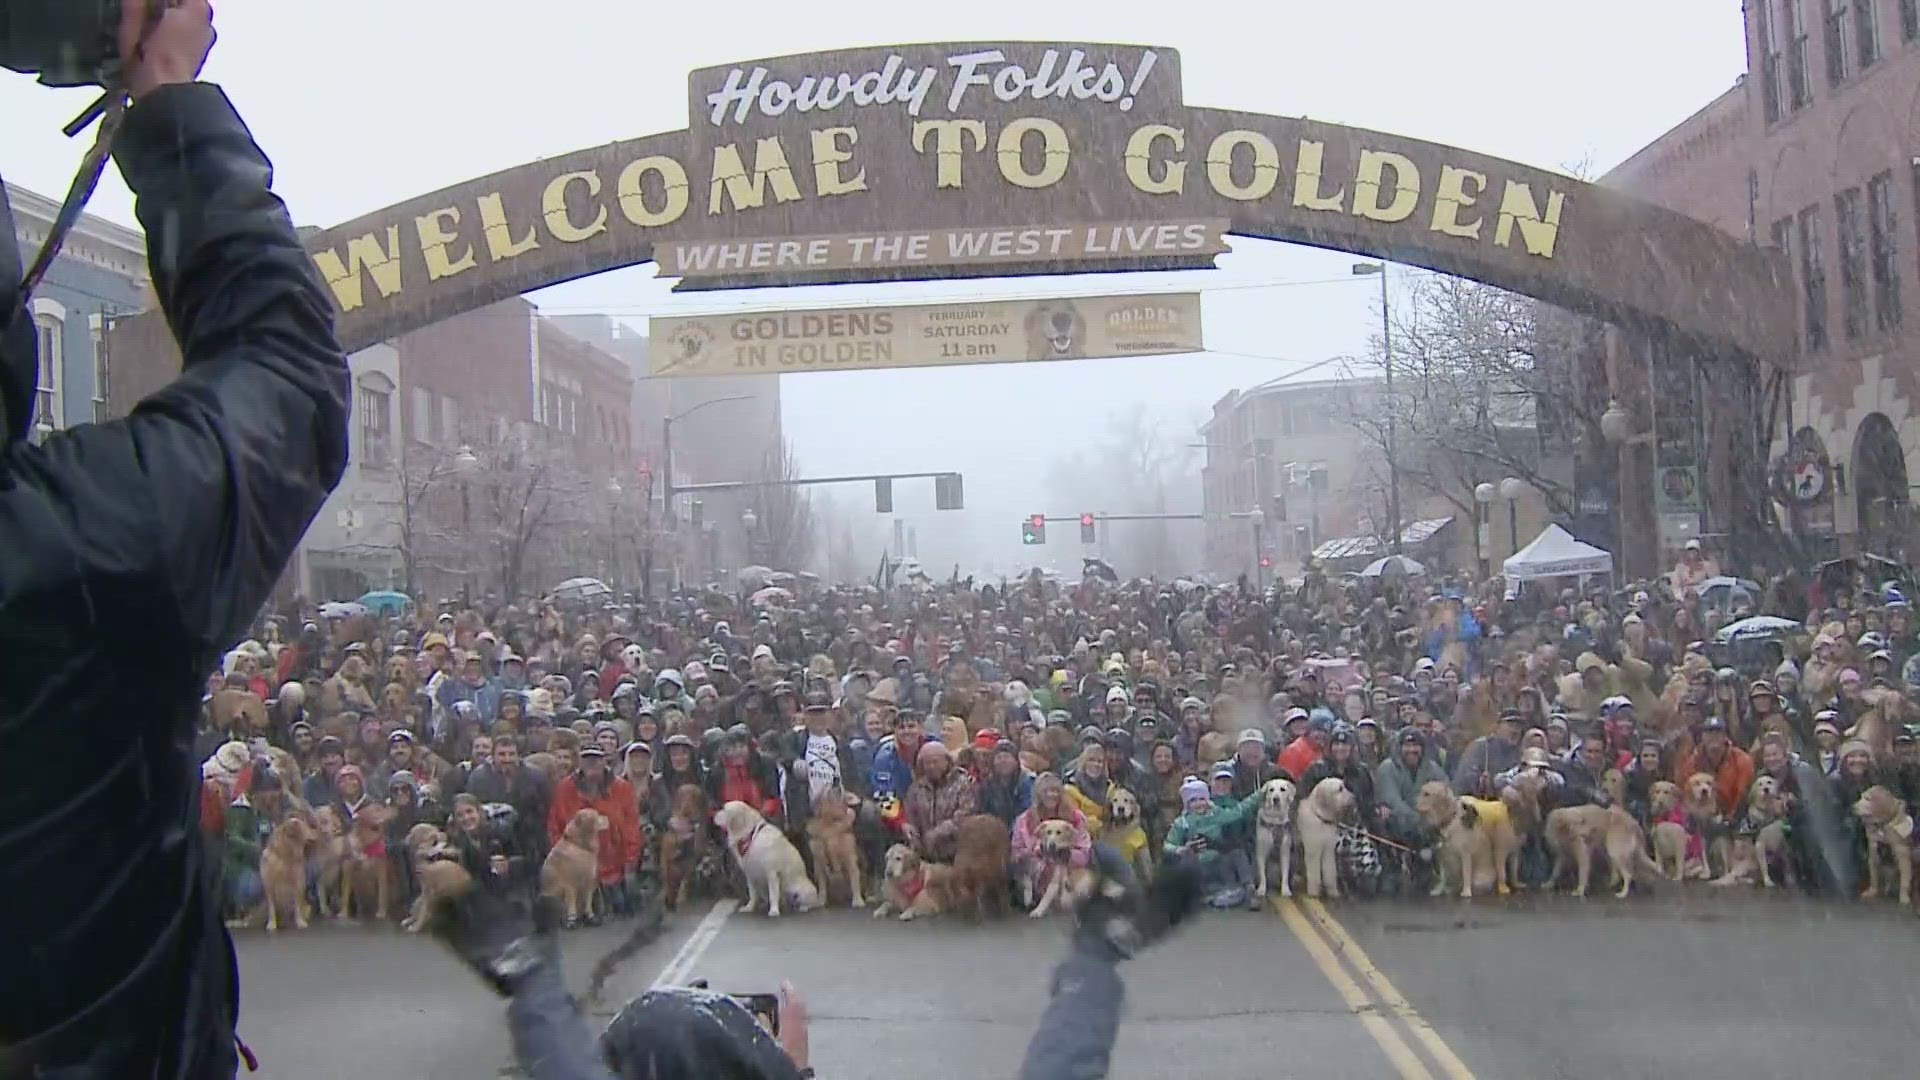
[363, 103]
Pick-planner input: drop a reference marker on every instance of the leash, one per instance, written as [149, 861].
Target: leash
[1375, 837]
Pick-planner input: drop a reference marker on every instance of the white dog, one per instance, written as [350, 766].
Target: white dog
[772, 865]
[1275, 834]
[1319, 823]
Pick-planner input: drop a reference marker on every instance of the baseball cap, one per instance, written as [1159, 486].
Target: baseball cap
[1223, 770]
[1253, 735]
[817, 700]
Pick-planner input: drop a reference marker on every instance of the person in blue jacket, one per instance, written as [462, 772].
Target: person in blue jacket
[892, 770]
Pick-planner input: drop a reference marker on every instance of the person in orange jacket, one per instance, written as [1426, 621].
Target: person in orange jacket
[593, 786]
[1730, 766]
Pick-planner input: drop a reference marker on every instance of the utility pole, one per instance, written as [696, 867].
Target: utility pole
[1386, 355]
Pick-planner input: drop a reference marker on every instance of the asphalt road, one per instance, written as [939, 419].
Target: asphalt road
[1684, 984]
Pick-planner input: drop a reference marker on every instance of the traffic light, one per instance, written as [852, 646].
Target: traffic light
[1086, 529]
[1279, 512]
[1266, 562]
[946, 492]
[1034, 530]
[696, 513]
[883, 495]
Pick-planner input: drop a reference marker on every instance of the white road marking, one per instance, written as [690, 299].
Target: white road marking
[681, 965]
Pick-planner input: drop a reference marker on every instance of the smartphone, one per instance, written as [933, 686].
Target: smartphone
[764, 1007]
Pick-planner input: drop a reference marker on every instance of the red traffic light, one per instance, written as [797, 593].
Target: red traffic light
[1039, 521]
[1266, 562]
[1086, 521]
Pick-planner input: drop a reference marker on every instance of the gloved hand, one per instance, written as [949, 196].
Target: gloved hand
[506, 940]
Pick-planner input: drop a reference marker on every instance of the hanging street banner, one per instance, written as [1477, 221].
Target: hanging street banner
[933, 335]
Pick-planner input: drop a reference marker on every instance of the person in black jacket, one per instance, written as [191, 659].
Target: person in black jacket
[137, 552]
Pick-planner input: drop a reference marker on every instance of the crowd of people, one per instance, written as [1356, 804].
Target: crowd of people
[1033, 700]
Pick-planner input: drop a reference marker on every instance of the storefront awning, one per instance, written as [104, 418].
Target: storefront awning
[1372, 547]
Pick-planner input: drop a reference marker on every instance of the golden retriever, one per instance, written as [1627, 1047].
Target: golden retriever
[367, 872]
[836, 854]
[1669, 837]
[1889, 829]
[1477, 835]
[1274, 835]
[572, 870]
[1579, 831]
[1767, 808]
[283, 872]
[1326, 806]
[329, 859]
[438, 872]
[1704, 819]
[913, 888]
[685, 845]
[1052, 862]
[1124, 833]
[772, 865]
[980, 857]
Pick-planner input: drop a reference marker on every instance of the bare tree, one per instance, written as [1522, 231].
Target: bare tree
[1478, 393]
[1139, 465]
[783, 534]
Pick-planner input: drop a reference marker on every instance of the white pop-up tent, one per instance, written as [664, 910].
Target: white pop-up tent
[1556, 553]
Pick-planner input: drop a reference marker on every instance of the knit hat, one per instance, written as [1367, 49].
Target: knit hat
[1193, 790]
[1853, 746]
[402, 776]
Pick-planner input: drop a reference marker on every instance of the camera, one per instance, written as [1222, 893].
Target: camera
[64, 42]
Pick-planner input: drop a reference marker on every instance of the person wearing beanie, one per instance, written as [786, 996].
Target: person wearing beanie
[942, 795]
[251, 818]
[1050, 803]
[1006, 789]
[1202, 832]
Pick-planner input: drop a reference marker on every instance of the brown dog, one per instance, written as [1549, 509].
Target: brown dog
[1478, 837]
[572, 870]
[1669, 837]
[329, 858]
[1577, 832]
[368, 872]
[283, 872]
[836, 854]
[980, 857]
[1053, 855]
[686, 845]
[1890, 829]
[914, 889]
[436, 869]
[1704, 819]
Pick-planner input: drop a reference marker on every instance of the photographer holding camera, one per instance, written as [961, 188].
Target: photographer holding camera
[136, 552]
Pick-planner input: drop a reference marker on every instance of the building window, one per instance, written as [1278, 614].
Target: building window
[1909, 20]
[1813, 279]
[1839, 57]
[1848, 229]
[1866, 26]
[1883, 258]
[449, 420]
[102, 376]
[1771, 87]
[371, 406]
[1799, 82]
[48, 401]
[422, 415]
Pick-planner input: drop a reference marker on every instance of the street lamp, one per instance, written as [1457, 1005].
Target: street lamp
[1483, 495]
[465, 464]
[1511, 489]
[1616, 424]
[1386, 360]
[614, 491]
[748, 519]
[1259, 519]
[666, 448]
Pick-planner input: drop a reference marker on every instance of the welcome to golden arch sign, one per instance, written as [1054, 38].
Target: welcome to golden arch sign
[864, 149]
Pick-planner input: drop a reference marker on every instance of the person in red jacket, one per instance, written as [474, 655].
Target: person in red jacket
[593, 786]
[744, 775]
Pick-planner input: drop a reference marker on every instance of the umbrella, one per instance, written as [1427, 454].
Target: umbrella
[581, 589]
[337, 610]
[1758, 628]
[386, 602]
[772, 596]
[756, 577]
[1394, 566]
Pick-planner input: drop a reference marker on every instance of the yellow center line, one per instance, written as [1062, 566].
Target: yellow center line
[1396, 1048]
[1443, 1054]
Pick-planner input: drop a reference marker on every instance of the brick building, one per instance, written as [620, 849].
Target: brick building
[1816, 152]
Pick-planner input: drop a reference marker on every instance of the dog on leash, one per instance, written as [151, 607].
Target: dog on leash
[1705, 820]
[329, 859]
[1766, 809]
[1325, 808]
[1477, 837]
[1273, 835]
[571, 872]
[1889, 829]
[774, 870]
[836, 854]
[368, 872]
[980, 856]
[283, 872]
[1577, 832]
